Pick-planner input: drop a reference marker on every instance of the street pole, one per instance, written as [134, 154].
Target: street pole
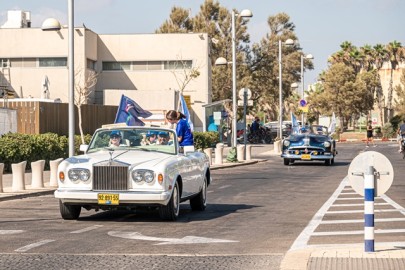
[302, 86]
[244, 120]
[234, 107]
[280, 88]
[71, 79]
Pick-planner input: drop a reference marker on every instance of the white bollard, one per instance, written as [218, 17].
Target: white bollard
[248, 152]
[240, 152]
[219, 151]
[208, 152]
[53, 164]
[1, 176]
[37, 180]
[18, 170]
[277, 147]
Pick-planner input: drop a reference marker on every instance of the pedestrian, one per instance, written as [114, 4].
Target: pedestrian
[401, 134]
[370, 134]
[183, 130]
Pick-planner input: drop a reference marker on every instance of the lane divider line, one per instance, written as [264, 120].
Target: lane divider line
[33, 245]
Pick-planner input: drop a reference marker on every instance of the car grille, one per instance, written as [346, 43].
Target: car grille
[110, 177]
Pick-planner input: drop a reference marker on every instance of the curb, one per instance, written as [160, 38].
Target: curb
[13, 196]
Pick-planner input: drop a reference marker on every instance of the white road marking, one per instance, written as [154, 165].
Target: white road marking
[394, 204]
[34, 245]
[226, 186]
[355, 204]
[349, 193]
[356, 232]
[2, 232]
[88, 229]
[356, 198]
[361, 220]
[168, 241]
[361, 211]
[303, 238]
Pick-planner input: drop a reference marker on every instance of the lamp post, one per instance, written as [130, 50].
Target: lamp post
[52, 24]
[288, 42]
[220, 61]
[308, 56]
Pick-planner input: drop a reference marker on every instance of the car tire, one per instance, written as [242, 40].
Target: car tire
[69, 212]
[327, 162]
[332, 161]
[286, 161]
[172, 209]
[199, 202]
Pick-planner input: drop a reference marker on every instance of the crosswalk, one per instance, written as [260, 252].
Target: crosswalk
[340, 221]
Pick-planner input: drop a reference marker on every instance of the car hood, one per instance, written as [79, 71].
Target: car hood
[128, 157]
[307, 139]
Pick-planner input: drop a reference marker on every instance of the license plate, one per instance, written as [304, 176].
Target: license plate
[306, 156]
[109, 199]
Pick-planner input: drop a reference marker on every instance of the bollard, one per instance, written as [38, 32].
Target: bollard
[219, 150]
[53, 164]
[248, 152]
[369, 210]
[18, 170]
[37, 180]
[277, 147]
[240, 152]
[1, 176]
[208, 152]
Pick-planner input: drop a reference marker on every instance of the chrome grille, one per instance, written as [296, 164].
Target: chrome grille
[110, 178]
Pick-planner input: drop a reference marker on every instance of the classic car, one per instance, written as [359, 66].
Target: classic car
[312, 143]
[136, 173]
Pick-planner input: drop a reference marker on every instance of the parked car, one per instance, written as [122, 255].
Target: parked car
[274, 127]
[132, 175]
[313, 143]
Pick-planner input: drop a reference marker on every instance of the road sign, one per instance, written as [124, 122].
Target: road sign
[242, 92]
[303, 102]
[249, 103]
[383, 170]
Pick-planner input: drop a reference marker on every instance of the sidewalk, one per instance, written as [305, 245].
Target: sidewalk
[342, 257]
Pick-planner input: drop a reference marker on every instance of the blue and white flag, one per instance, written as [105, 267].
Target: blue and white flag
[184, 110]
[332, 126]
[129, 111]
[295, 127]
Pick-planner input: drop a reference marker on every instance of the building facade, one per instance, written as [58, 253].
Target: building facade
[151, 69]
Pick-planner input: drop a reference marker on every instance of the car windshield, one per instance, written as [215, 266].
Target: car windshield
[137, 139]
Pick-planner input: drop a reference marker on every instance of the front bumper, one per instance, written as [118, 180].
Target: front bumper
[125, 197]
[312, 157]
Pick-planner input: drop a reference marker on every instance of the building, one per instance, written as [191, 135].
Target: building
[149, 68]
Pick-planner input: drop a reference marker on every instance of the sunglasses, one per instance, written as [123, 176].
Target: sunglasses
[114, 136]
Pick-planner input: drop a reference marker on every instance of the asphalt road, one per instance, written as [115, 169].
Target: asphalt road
[255, 215]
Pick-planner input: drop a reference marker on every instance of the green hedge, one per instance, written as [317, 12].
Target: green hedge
[203, 140]
[16, 147]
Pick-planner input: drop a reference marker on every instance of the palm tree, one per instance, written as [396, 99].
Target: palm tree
[396, 55]
[380, 56]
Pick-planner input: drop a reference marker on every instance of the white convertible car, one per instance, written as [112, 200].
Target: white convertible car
[146, 169]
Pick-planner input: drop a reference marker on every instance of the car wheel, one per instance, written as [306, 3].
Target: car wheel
[332, 161]
[286, 161]
[172, 209]
[69, 211]
[327, 162]
[199, 202]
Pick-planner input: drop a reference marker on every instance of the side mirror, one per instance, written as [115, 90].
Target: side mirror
[83, 147]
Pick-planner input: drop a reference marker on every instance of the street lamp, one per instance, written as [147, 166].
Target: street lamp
[288, 42]
[53, 25]
[308, 56]
[222, 61]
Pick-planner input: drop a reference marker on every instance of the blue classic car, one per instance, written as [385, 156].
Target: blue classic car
[310, 144]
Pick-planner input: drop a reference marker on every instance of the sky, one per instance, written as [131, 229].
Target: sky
[321, 25]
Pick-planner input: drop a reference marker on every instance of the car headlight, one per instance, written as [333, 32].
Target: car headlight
[286, 143]
[143, 175]
[326, 144]
[79, 175]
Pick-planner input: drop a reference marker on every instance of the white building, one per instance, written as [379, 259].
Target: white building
[149, 68]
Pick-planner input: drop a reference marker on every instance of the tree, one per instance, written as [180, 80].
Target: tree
[400, 102]
[84, 83]
[396, 54]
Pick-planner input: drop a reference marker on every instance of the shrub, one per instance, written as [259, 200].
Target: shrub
[388, 131]
[203, 140]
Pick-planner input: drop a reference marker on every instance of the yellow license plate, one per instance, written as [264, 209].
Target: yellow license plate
[109, 199]
[306, 156]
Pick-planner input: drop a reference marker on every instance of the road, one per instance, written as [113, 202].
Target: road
[256, 214]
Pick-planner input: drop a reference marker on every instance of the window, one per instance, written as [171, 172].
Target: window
[53, 62]
[23, 62]
[181, 64]
[116, 65]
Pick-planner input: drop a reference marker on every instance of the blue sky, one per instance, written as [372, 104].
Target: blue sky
[321, 25]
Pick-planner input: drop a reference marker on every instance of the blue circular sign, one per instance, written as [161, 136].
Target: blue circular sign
[303, 102]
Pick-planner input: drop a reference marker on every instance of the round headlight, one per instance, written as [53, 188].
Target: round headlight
[326, 144]
[286, 143]
[73, 175]
[148, 176]
[79, 174]
[137, 176]
[84, 175]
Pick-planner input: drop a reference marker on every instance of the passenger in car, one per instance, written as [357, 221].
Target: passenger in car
[115, 138]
